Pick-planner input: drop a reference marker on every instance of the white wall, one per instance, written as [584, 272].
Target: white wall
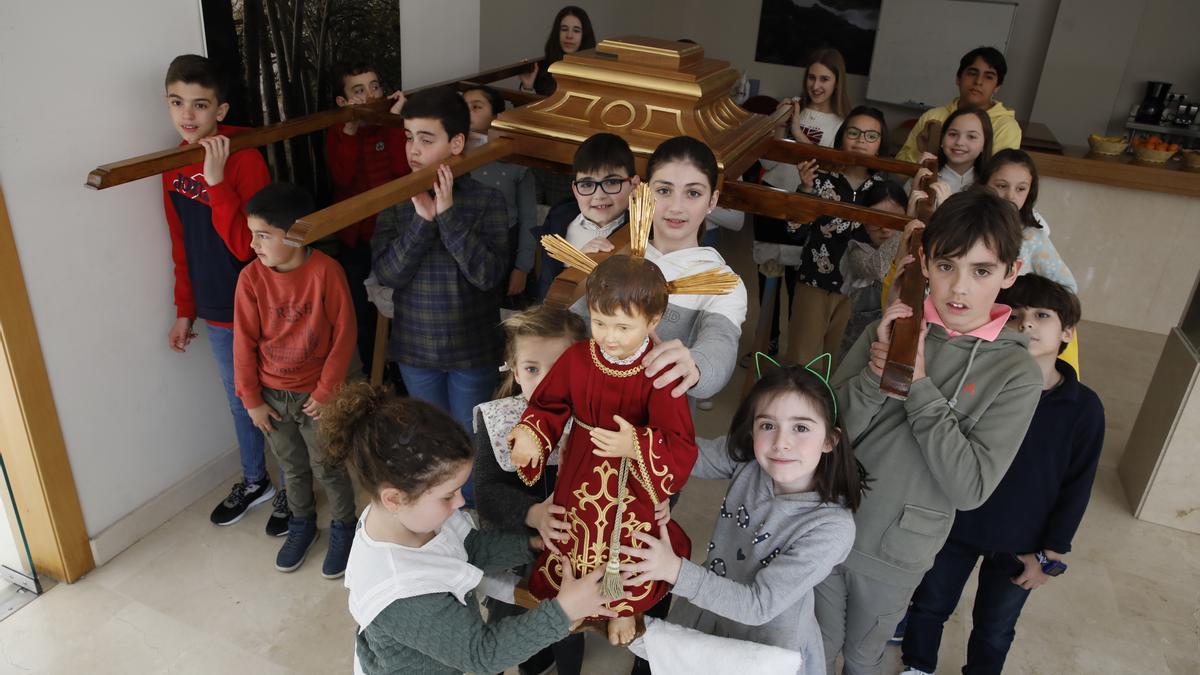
[1164, 50]
[427, 29]
[79, 92]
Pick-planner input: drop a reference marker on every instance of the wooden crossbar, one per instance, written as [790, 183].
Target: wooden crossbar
[155, 163]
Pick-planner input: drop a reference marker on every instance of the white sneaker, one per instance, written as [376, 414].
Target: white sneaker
[914, 671]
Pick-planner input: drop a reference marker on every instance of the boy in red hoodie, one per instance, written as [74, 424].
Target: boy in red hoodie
[210, 245]
[361, 156]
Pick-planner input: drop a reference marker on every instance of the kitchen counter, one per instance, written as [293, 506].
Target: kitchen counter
[1078, 163]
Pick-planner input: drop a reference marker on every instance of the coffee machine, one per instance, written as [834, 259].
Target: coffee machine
[1151, 109]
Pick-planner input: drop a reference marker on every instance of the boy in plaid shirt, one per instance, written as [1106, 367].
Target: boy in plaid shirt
[445, 257]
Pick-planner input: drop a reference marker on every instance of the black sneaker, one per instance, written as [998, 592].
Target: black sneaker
[277, 524]
[341, 536]
[302, 532]
[242, 497]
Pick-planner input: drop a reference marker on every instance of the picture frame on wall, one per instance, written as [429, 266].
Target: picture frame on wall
[789, 31]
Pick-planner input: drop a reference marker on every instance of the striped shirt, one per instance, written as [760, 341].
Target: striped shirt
[446, 276]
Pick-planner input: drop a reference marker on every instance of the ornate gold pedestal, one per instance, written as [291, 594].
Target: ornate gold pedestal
[646, 91]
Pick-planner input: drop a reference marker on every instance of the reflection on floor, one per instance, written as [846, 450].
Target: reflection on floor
[193, 598]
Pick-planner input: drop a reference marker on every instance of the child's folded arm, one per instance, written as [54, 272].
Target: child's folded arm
[1077, 484]
[780, 584]
[339, 311]
[857, 386]
[397, 248]
[479, 248]
[968, 467]
[494, 550]
[451, 633]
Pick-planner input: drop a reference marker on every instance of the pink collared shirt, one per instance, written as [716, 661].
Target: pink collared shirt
[989, 331]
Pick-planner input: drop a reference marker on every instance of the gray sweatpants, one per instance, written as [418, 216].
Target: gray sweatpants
[857, 615]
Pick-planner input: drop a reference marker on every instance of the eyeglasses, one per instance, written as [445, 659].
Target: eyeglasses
[611, 186]
[853, 133]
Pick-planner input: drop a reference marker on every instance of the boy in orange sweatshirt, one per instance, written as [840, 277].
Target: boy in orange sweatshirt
[293, 338]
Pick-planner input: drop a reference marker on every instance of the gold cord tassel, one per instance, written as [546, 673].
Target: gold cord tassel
[611, 587]
[641, 216]
[561, 250]
[711, 282]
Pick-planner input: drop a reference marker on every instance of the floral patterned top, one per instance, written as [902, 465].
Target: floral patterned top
[826, 238]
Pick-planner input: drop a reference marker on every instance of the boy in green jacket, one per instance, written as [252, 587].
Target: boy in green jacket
[947, 446]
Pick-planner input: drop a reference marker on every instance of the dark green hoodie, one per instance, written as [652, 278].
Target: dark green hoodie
[944, 449]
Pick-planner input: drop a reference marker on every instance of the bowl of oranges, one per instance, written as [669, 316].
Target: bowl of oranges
[1153, 149]
[1107, 145]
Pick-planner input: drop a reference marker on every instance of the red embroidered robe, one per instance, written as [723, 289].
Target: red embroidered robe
[583, 384]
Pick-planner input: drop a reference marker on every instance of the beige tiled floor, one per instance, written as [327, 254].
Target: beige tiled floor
[192, 598]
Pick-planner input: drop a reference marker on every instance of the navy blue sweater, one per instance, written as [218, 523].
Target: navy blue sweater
[1040, 501]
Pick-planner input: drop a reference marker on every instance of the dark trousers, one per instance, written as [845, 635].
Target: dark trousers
[356, 263]
[789, 278]
[998, 603]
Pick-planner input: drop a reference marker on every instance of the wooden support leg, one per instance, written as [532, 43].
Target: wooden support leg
[380, 353]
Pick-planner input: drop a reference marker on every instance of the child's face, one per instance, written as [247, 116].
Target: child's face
[533, 358]
[1012, 182]
[481, 111]
[365, 86]
[879, 234]
[270, 245]
[603, 206]
[427, 513]
[620, 334]
[863, 135]
[1044, 329]
[977, 84]
[194, 110]
[570, 34]
[821, 83]
[790, 435]
[964, 288]
[427, 143]
[682, 200]
[963, 142]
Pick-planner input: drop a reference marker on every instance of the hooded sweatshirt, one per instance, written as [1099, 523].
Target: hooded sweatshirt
[943, 449]
[709, 325]
[1006, 133]
[416, 607]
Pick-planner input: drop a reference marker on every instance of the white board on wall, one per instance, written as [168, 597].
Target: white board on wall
[920, 42]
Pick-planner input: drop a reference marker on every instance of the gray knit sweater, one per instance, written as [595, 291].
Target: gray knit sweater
[437, 634]
[767, 553]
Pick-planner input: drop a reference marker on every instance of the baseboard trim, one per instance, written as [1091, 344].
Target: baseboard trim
[146, 518]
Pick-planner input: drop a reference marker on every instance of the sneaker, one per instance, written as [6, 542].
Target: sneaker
[302, 532]
[277, 524]
[242, 497]
[914, 671]
[341, 536]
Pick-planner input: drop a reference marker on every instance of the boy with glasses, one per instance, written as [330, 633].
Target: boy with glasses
[604, 177]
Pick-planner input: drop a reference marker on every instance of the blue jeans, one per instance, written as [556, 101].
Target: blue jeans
[455, 391]
[998, 603]
[250, 439]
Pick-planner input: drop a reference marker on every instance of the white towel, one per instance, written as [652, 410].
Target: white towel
[675, 650]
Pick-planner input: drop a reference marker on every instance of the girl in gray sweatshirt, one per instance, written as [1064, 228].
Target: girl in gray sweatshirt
[785, 522]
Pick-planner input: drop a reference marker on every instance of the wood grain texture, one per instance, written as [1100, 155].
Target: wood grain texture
[35, 453]
[791, 152]
[1079, 164]
[800, 208]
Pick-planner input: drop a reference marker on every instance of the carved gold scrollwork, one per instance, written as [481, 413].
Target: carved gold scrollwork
[611, 115]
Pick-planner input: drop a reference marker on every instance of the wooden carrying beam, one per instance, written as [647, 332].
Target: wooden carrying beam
[365, 204]
[155, 163]
[902, 352]
[791, 152]
[798, 207]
